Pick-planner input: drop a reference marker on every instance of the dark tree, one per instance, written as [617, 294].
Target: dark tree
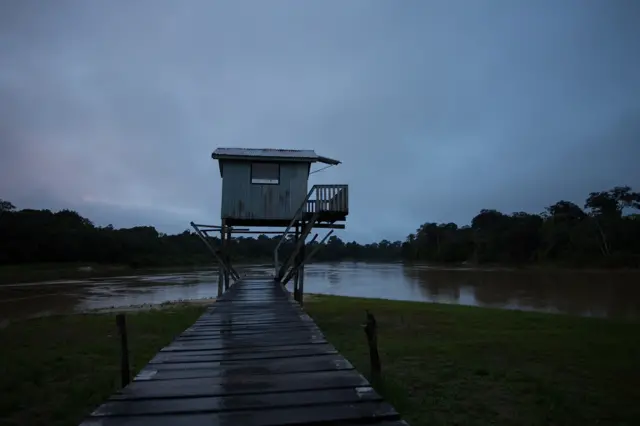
[606, 233]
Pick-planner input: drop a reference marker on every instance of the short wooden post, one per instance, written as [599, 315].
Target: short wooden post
[371, 330]
[125, 375]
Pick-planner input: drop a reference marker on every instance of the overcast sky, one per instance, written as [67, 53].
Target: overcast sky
[436, 108]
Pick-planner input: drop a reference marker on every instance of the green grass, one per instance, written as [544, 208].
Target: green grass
[55, 370]
[455, 365]
[441, 364]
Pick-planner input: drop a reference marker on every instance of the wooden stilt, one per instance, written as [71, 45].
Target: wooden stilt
[225, 255]
[299, 265]
[220, 267]
[227, 258]
[295, 279]
[301, 275]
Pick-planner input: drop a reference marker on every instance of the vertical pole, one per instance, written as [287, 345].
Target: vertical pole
[225, 244]
[299, 265]
[295, 274]
[301, 275]
[221, 268]
[125, 375]
[227, 258]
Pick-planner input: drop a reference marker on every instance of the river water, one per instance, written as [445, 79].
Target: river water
[601, 294]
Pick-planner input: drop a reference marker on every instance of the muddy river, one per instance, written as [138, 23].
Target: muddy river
[602, 294]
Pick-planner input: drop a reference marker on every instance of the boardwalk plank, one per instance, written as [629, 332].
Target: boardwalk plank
[237, 402]
[192, 373]
[269, 332]
[222, 343]
[164, 357]
[372, 411]
[232, 350]
[276, 366]
[212, 386]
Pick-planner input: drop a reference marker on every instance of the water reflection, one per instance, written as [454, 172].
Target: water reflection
[20, 301]
[608, 294]
[578, 293]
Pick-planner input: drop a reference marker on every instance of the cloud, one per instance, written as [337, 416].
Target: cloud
[436, 108]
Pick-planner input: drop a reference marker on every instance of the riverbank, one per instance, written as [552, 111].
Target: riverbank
[18, 274]
[526, 267]
[442, 364]
[37, 272]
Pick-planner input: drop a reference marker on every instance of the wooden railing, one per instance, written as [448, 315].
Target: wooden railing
[329, 198]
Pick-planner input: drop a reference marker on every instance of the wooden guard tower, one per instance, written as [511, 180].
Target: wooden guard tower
[269, 188]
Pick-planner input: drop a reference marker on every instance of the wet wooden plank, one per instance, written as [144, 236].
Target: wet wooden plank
[254, 358]
[212, 386]
[382, 423]
[249, 321]
[269, 330]
[237, 402]
[231, 350]
[149, 373]
[242, 341]
[251, 328]
[164, 357]
[271, 366]
[372, 411]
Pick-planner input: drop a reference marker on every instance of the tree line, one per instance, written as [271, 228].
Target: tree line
[605, 232]
[43, 236]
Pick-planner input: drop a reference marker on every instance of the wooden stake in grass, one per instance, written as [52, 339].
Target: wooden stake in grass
[124, 350]
[371, 330]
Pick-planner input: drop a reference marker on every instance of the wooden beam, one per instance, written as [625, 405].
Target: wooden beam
[330, 226]
[302, 261]
[257, 232]
[199, 225]
[319, 226]
[206, 243]
[304, 232]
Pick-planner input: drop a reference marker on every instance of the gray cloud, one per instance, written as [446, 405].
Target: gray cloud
[436, 108]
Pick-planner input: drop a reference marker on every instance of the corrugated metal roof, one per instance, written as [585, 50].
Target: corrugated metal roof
[271, 154]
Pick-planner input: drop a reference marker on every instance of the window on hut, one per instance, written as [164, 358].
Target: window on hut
[265, 173]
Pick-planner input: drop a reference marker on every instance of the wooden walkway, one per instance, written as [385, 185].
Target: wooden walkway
[253, 359]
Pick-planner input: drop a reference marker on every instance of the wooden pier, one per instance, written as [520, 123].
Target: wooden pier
[252, 359]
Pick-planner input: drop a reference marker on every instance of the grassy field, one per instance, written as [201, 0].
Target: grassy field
[54, 370]
[442, 364]
[456, 365]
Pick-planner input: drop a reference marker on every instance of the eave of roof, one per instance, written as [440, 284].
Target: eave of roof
[270, 155]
